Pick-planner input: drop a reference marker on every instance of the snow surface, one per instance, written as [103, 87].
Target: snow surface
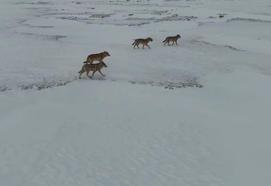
[196, 114]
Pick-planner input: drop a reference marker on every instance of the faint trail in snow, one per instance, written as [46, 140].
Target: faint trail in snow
[248, 20]
[44, 36]
[33, 3]
[46, 84]
[170, 85]
[201, 42]
[38, 85]
[38, 26]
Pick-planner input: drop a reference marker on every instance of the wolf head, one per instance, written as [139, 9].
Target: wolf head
[149, 39]
[106, 53]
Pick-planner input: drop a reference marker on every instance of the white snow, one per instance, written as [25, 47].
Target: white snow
[139, 125]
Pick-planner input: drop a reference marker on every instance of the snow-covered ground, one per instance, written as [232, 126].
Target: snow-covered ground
[194, 114]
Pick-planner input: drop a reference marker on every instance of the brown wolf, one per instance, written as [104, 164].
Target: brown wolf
[97, 57]
[92, 67]
[143, 42]
[172, 39]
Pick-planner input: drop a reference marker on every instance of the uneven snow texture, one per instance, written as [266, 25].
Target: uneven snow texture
[130, 128]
